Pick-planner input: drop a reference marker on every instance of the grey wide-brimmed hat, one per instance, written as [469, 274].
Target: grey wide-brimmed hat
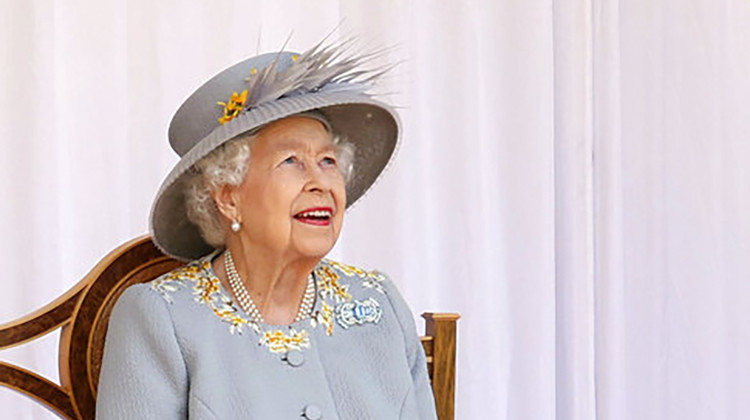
[260, 90]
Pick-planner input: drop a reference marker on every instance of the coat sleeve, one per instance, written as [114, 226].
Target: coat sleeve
[143, 373]
[420, 404]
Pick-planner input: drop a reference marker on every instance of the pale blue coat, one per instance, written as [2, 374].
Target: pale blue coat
[178, 348]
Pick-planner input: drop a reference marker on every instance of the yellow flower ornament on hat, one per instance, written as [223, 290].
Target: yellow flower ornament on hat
[243, 98]
[233, 107]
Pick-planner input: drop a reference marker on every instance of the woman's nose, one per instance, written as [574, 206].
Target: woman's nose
[317, 178]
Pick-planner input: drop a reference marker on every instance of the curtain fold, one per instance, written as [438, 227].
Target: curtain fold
[574, 211]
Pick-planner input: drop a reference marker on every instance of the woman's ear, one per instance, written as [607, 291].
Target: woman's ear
[226, 202]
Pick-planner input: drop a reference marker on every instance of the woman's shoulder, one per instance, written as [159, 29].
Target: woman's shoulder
[183, 286]
[166, 287]
[194, 277]
[190, 295]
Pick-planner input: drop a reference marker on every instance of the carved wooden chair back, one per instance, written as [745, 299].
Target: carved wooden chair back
[83, 313]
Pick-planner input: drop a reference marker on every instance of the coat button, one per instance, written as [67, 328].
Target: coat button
[312, 412]
[295, 358]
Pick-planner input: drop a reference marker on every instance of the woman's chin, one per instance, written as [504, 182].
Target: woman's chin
[314, 247]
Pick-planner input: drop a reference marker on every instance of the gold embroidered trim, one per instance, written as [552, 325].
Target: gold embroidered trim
[370, 279]
[328, 284]
[278, 341]
[206, 289]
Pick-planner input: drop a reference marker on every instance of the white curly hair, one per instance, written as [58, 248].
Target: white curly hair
[227, 165]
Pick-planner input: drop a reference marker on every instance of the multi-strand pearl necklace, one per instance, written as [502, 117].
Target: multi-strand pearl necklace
[246, 302]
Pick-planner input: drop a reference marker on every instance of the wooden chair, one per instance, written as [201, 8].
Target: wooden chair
[84, 310]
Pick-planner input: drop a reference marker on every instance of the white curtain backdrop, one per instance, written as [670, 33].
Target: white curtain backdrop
[573, 179]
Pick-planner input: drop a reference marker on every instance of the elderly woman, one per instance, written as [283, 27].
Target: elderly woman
[260, 325]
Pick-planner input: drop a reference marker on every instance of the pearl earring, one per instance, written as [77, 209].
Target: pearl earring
[236, 225]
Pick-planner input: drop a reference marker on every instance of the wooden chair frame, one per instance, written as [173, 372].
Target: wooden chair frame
[83, 311]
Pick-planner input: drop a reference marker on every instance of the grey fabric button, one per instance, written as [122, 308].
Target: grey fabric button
[295, 358]
[312, 412]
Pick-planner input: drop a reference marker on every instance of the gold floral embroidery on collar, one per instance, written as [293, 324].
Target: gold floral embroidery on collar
[278, 341]
[206, 289]
[370, 279]
[329, 286]
[323, 316]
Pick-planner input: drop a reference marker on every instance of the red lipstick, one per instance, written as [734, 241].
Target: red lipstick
[316, 216]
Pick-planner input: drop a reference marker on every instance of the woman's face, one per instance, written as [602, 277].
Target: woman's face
[293, 198]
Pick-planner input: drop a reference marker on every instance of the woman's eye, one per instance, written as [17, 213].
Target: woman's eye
[289, 160]
[328, 161]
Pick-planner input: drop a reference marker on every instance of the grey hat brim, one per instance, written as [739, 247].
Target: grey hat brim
[372, 126]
